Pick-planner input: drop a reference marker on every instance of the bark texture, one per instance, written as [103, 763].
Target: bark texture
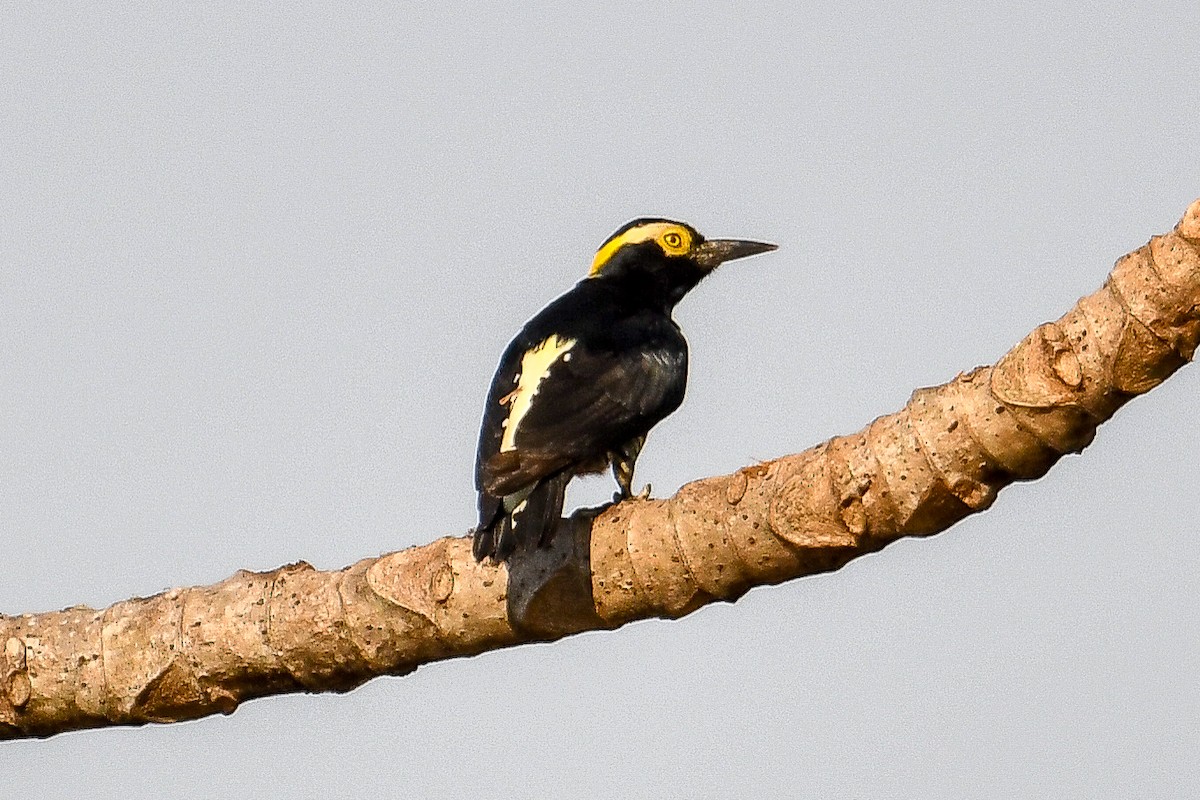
[190, 652]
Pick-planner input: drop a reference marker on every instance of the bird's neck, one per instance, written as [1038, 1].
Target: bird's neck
[655, 291]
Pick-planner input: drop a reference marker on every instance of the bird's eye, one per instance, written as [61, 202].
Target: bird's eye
[673, 240]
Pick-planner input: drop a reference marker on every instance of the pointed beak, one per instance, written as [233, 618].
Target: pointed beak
[712, 253]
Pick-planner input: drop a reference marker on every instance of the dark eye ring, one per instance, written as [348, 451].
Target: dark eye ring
[672, 239]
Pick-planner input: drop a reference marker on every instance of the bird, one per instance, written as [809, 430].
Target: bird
[584, 381]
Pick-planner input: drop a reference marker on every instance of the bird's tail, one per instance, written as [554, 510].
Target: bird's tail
[530, 523]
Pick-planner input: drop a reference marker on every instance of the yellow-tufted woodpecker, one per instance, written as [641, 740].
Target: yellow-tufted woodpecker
[586, 379]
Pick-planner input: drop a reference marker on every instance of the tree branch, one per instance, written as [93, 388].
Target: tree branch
[187, 653]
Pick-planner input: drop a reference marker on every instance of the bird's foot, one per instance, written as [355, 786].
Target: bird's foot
[625, 494]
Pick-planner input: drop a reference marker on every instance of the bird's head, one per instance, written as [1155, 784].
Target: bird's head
[665, 256]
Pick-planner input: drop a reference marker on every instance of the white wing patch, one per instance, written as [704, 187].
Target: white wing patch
[535, 366]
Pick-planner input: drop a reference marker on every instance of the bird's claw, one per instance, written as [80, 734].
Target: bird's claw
[620, 495]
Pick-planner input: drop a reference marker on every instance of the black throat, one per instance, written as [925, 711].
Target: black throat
[643, 277]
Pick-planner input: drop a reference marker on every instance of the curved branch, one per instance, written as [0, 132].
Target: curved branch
[191, 652]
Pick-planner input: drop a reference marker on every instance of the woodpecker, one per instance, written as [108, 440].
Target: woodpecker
[586, 379]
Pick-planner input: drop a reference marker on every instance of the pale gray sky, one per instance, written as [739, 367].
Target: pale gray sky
[257, 266]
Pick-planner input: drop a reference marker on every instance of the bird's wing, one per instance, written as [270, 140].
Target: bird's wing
[568, 404]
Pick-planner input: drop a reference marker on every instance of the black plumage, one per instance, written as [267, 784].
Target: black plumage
[585, 380]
